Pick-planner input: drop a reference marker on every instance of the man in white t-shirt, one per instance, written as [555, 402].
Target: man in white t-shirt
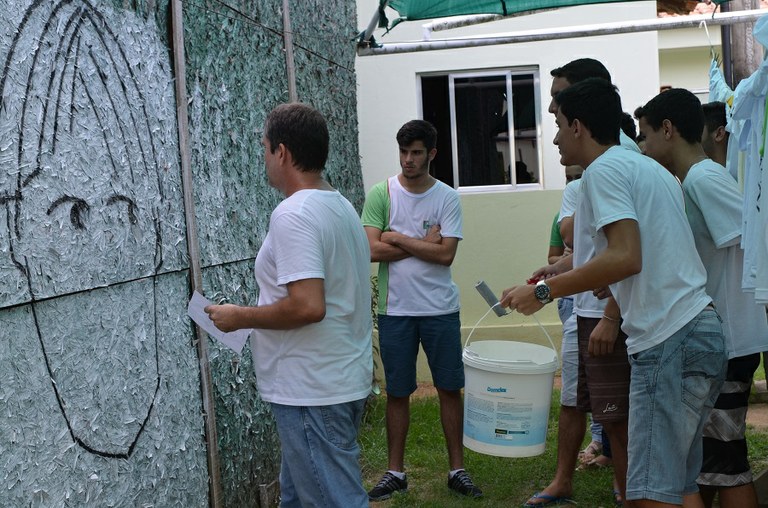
[311, 338]
[413, 223]
[591, 382]
[672, 123]
[646, 253]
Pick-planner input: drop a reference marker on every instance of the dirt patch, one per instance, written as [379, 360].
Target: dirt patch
[757, 416]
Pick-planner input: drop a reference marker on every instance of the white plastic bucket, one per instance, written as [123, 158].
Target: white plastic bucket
[507, 394]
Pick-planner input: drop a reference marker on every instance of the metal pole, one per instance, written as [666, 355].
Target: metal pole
[209, 414]
[461, 21]
[725, 43]
[290, 67]
[366, 38]
[566, 32]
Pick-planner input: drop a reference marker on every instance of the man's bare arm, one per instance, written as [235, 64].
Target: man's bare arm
[381, 251]
[433, 248]
[305, 304]
[562, 265]
[554, 254]
[621, 259]
[602, 340]
[566, 231]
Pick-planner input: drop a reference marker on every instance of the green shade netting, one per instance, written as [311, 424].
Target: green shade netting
[428, 9]
[411, 10]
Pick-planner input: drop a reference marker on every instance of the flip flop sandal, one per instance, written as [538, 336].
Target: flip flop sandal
[548, 500]
[618, 501]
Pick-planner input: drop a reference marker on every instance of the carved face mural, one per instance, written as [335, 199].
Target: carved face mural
[83, 150]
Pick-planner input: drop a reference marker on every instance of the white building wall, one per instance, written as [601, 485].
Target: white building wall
[506, 234]
[388, 94]
[685, 56]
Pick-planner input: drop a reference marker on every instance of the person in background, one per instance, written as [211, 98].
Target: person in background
[311, 338]
[714, 140]
[672, 123]
[714, 137]
[640, 139]
[628, 126]
[556, 246]
[414, 224]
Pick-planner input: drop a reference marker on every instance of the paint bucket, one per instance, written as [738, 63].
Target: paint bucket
[507, 394]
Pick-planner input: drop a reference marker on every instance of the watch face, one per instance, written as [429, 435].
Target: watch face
[541, 291]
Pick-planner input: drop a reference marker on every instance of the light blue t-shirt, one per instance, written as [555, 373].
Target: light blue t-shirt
[713, 206]
[586, 304]
[669, 290]
[627, 142]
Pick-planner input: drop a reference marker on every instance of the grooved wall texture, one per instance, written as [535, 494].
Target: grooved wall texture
[100, 401]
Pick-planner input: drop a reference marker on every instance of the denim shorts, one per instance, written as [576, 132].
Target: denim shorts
[569, 355]
[440, 336]
[673, 387]
[320, 455]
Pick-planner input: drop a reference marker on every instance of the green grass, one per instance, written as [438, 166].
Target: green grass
[757, 442]
[504, 481]
[760, 373]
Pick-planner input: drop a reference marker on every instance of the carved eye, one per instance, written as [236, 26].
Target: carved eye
[119, 198]
[78, 211]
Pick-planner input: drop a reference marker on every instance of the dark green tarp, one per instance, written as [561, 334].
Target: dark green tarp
[410, 10]
[429, 9]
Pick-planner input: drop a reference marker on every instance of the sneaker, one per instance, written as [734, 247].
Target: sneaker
[462, 483]
[388, 485]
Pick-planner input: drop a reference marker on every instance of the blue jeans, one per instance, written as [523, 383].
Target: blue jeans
[565, 308]
[673, 388]
[320, 455]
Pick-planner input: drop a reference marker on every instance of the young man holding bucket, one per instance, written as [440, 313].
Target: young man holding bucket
[595, 379]
[634, 208]
[413, 223]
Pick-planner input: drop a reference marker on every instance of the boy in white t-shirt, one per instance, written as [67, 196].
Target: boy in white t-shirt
[414, 224]
[646, 253]
[673, 125]
[607, 380]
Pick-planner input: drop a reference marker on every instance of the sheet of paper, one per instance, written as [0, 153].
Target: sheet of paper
[233, 340]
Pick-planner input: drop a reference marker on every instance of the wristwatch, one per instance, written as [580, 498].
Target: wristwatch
[541, 292]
